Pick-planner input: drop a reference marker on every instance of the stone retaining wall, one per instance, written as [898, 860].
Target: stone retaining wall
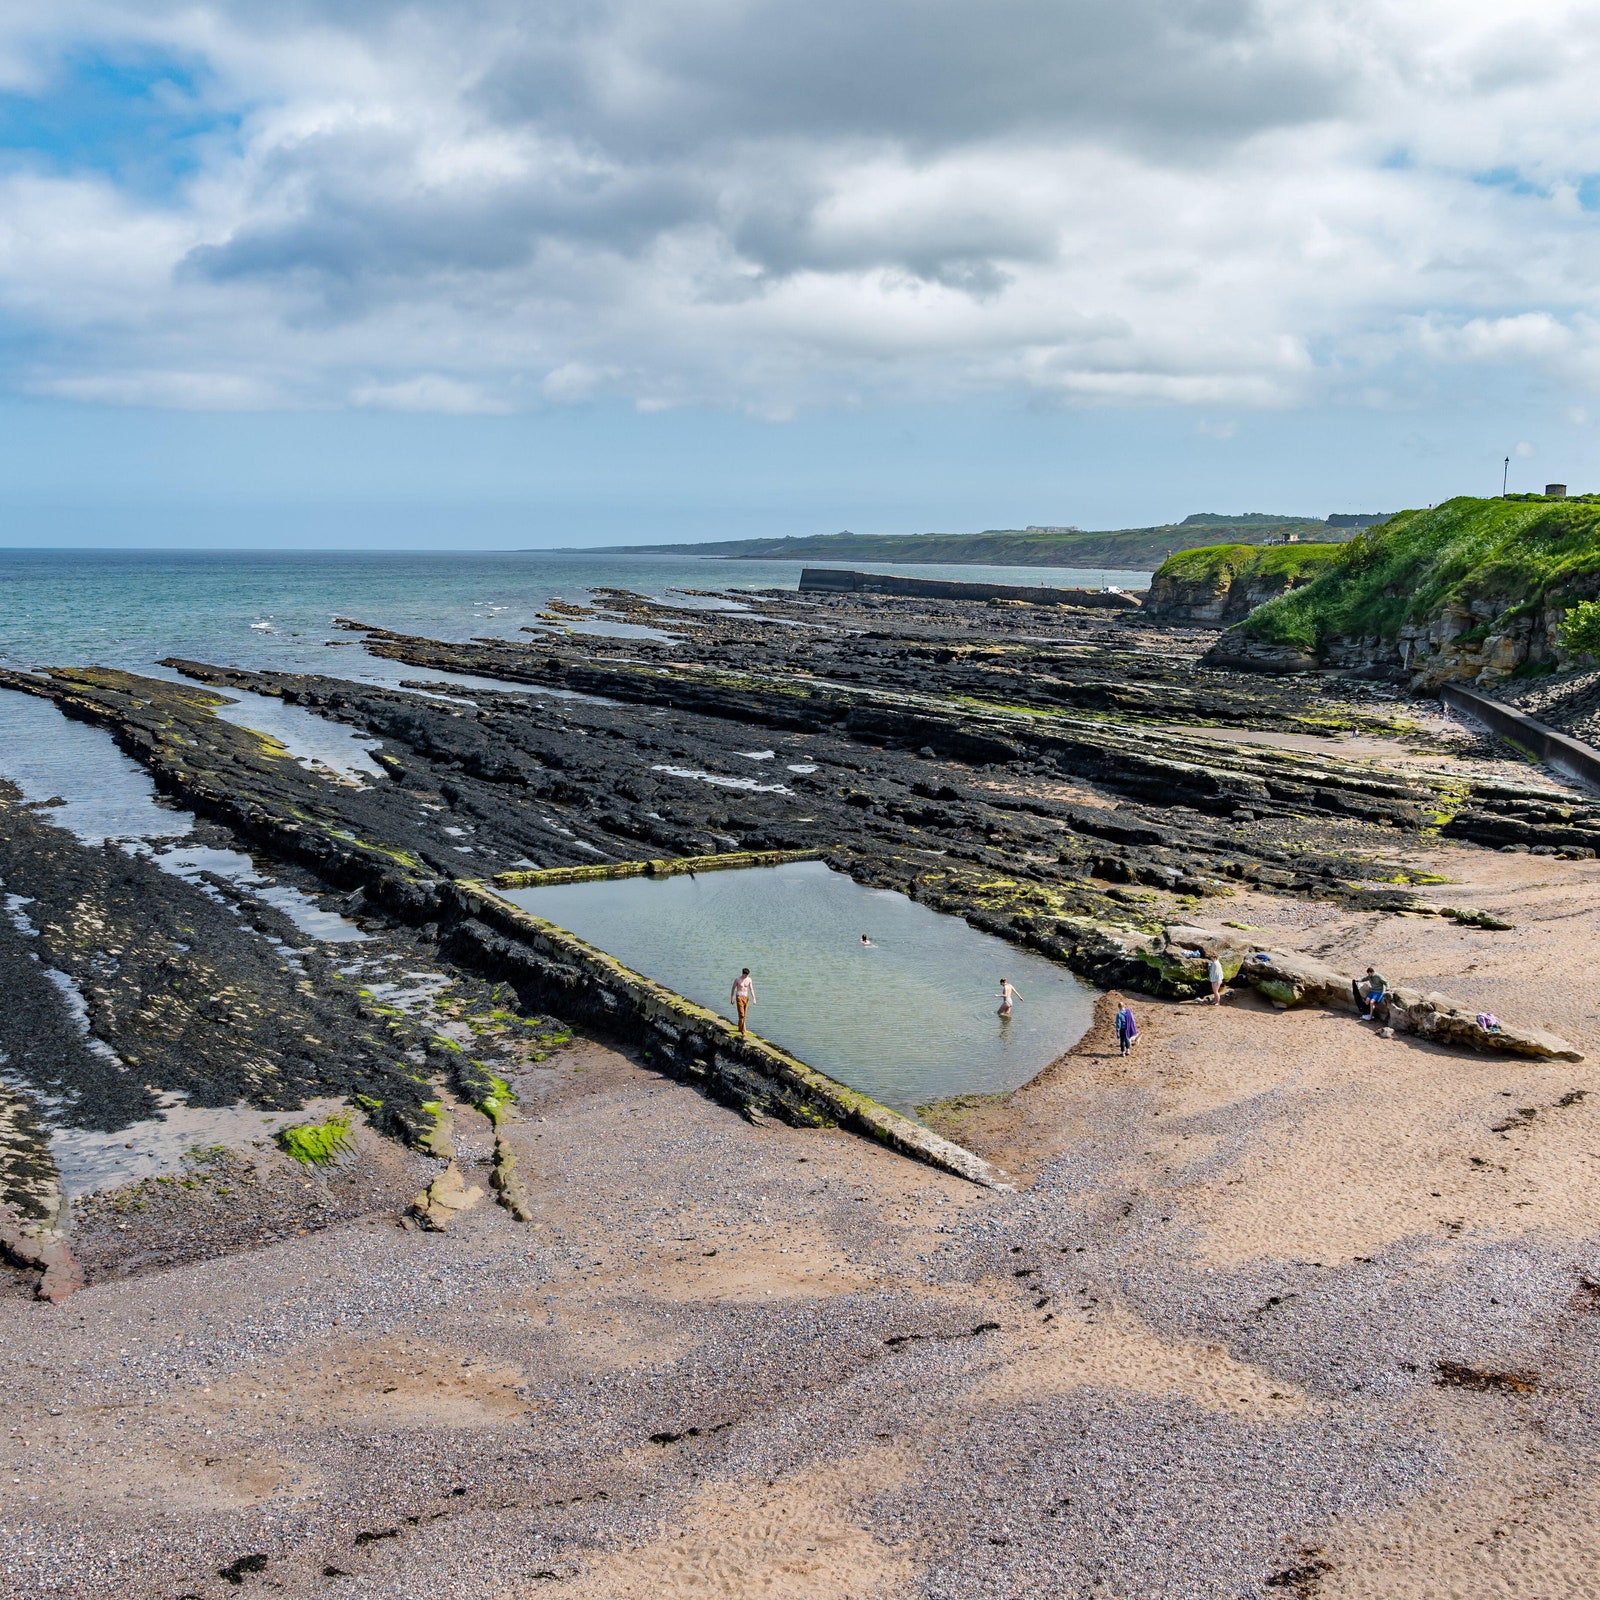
[1569, 755]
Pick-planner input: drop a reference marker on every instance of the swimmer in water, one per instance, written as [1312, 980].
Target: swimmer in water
[1007, 995]
[866, 943]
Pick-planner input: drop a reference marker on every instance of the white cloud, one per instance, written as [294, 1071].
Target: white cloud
[487, 204]
[428, 391]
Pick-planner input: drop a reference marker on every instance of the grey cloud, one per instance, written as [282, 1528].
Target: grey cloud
[1169, 75]
[775, 202]
[363, 215]
[741, 117]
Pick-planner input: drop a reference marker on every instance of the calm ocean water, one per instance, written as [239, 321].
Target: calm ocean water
[270, 610]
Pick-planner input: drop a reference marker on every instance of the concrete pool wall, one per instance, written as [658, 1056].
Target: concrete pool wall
[558, 970]
[666, 867]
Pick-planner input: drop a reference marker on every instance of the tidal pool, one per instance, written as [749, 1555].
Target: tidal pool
[107, 795]
[908, 1019]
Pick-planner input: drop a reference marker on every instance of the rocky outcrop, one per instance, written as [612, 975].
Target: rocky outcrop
[1484, 641]
[506, 1181]
[1219, 585]
[45, 1250]
[1289, 978]
[1243, 654]
[1470, 591]
[445, 1199]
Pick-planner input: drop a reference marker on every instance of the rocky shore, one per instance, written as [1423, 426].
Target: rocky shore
[1079, 782]
[1048, 775]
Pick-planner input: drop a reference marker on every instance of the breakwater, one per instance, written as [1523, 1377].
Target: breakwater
[832, 580]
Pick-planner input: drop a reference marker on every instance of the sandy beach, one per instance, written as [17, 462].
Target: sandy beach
[1277, 1305]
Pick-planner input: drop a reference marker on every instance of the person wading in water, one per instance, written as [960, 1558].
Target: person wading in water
[744, 991]
[1007, 995]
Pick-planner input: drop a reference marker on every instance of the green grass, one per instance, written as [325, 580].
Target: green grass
[1522, 553]
[1220, 565]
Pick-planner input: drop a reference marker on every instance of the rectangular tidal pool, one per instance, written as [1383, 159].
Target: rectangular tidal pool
[910, 1018]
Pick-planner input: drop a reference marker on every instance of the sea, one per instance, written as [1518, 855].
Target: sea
[275, 610]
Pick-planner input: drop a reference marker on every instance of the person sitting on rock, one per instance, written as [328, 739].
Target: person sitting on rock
[1370, 992]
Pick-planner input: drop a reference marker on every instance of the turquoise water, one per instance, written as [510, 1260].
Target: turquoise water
[909, 1019]
[268, 610]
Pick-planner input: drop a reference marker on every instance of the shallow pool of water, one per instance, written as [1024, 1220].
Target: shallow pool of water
[89, 1160]
[908, 1019]
[313, 740]
[108, 795]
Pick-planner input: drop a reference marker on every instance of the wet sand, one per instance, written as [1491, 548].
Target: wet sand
[1277, 1306]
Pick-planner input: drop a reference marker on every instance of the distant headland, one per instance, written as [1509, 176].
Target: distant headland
[1132, 548]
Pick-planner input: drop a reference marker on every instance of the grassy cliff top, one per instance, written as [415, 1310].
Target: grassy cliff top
[1521, 552]
[1219, 565]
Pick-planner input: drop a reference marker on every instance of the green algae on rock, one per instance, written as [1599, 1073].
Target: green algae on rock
[317, 1144]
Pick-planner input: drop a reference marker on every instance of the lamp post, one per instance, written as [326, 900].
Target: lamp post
[1505, 473]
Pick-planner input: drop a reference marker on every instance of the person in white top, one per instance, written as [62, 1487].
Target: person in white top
[744, 991]
[1214, 978]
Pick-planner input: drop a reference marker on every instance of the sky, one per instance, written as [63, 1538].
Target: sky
[510, 273]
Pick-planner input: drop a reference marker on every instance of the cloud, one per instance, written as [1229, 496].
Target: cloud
[488, 204]
[428, 391]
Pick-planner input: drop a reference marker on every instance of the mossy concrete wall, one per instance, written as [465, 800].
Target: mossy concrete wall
[666, 867]
[556, 970]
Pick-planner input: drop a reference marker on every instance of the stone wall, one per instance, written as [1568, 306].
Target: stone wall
[666, 867]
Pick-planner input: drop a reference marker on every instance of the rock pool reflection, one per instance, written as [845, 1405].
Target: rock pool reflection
[908, 1019]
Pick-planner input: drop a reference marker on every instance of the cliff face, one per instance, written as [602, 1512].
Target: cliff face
[1480, 641]
[1217, 585]
[1470, 591]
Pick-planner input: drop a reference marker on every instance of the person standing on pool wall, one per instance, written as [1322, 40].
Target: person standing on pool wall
[744, 991]
[1007, 995]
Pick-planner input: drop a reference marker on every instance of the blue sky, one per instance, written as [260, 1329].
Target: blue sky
[499, 273]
